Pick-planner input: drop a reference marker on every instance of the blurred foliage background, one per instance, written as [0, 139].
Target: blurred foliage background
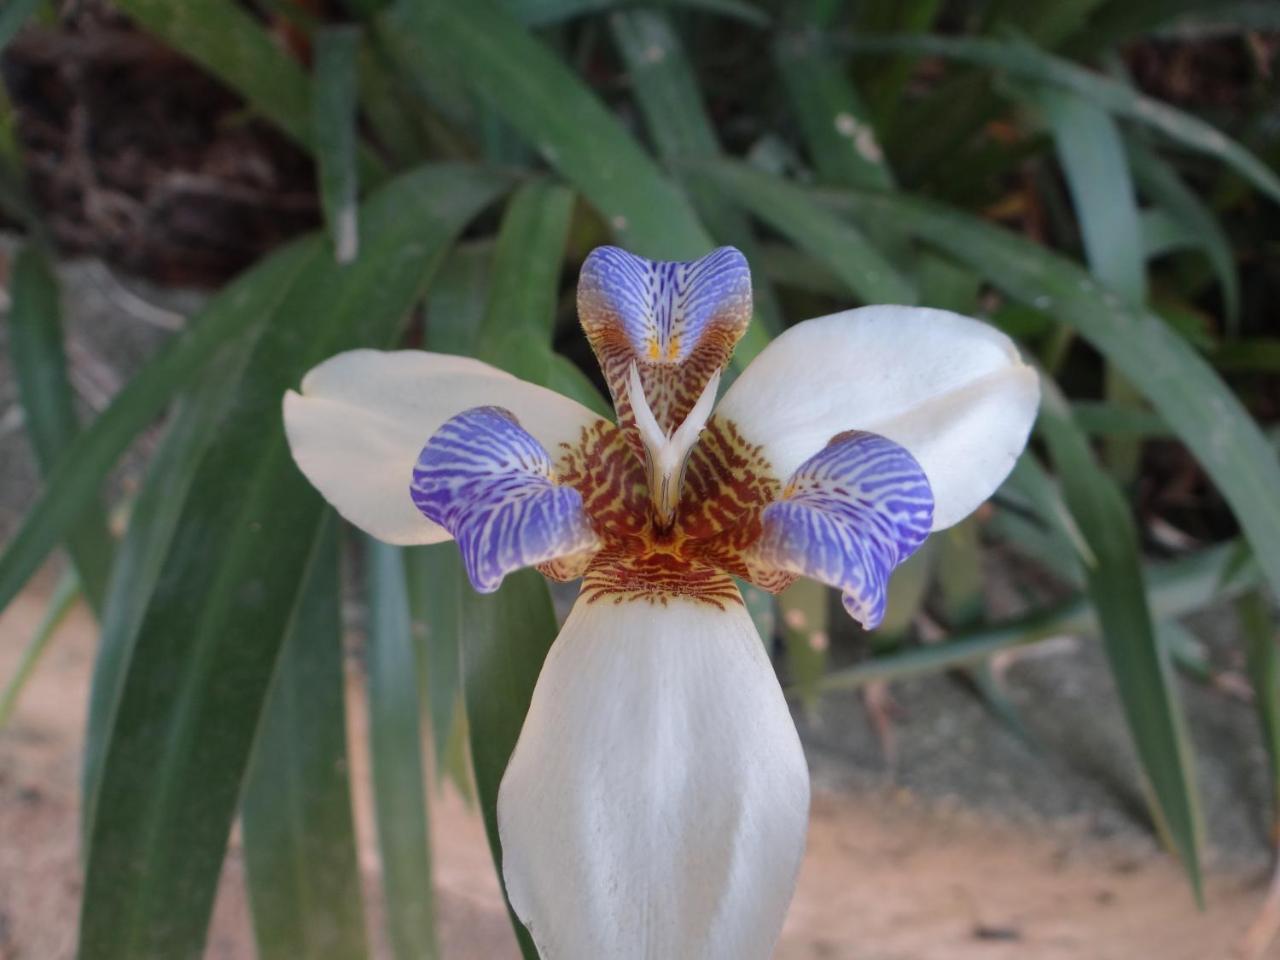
[1096, 177]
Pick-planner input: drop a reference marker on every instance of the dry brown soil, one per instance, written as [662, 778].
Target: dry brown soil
[887, 876]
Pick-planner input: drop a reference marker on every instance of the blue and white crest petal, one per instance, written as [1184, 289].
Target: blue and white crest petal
[488, 482]
[847, 517]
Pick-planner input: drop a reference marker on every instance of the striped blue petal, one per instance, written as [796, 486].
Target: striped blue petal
[483, 478]
[847, 517]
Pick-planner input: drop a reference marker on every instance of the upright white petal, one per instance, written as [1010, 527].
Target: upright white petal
[362, 418]
[656, 804]
[952, 390]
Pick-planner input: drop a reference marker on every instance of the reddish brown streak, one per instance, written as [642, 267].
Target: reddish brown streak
[726, 486]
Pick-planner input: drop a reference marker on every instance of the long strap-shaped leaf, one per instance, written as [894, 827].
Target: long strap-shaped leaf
[836, 242]
[395, 741]
[563, 119]
[1026, 62]
[208, 643]
[40, 366]
[1192, 399]
[1139, 663]
[299, 838]
[76, 479]
[666, 88]
[508, 634]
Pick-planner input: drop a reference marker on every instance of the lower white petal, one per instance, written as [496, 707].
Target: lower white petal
[656, 804]
[362, 418]
[950, 389]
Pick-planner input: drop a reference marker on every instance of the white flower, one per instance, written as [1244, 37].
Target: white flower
[656, 803]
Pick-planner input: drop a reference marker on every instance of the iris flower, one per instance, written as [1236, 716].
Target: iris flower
[656, 804]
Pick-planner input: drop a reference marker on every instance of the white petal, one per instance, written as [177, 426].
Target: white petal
[952, 390]
[656, 804]
[362, 418]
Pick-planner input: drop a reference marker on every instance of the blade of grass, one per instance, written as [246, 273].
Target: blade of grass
[153, 518]
[1182, 387]
[1091, 153]
[508, 636]
[334, 92]
[666, 88]
[836, 123]
[434, 576]
[40, 368]
[1161, 183]
[792, 211]
[1027, 63]
[1174, 590]
[209, 641]
[74, 482]
[541, 13]
[1139, 663]
[562, 118]
[1262, 662]
[299, 839]
[13, 16]
[395, 716]
[63, 598]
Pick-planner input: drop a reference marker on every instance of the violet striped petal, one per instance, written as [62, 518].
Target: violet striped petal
[847, 517]
[487, 481]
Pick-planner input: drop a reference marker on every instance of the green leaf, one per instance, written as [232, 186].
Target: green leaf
[395, 718]
[1027, 63]
[1262, 661]
[333, 123]
[520, 314]
[456, 301]
[806, 632]
[666, 87]
[64, 597]
[1092, 155]
[13, 16]
[1173, 590]
[538, 13]
[1182, 387]
[1139, 663]
[40, 368]
[231, 44]
[562, 118]
[792, 211]
[74, 483]
[209, 641]
[836, 123]
[153, 518]
[435, 576]
[508, 636]
[1260, 354]
[299, 837]
[1161, 183]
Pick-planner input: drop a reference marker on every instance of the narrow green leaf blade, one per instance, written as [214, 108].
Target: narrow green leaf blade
[395, 718]
[792, 211]
[335, 89]
[13, 16]
[209, 641]
[563, 119]
[539, 13]
[1262, 660]
[508, 636]
[153, 518]
[1139, 663]
[299, 837]
[1026, 62]
[666, 87]
[64, 597]
[40, 367]
[435, 576]
[837, 124]
[1183, 388]
[74, 482]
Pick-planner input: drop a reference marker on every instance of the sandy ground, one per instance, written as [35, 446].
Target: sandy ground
[887, 875]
